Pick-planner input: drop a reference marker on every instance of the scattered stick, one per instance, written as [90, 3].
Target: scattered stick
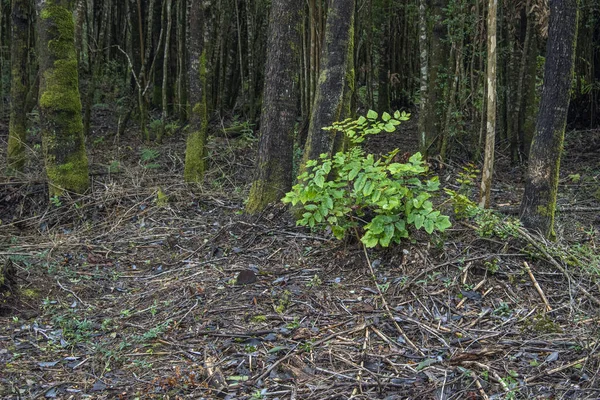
[537, 286]
[493, 374]
[466, 273]
[561, 368]
[385, 338]
[464, 299]
[362, 364]
[273, 366]
[387, 308]
[524, 234]
[187, 313]
[455, 261]
[484, 396]
[83, 303]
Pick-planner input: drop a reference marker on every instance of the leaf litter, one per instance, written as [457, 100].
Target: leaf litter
[123, 297]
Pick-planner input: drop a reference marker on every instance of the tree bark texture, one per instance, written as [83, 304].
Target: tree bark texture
[329, 97]
[490, 137]
[19, 86]
[165, 69]
[59, 102]
[423, 78]
[541, 183]
[274, 164]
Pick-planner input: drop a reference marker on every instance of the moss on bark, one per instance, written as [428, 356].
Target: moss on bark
[273, 175]
[59, 101]
[195, 152]
[541, 183]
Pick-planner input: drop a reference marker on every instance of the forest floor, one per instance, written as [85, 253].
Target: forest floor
[133, 291]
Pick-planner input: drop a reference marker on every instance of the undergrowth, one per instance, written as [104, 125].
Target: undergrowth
[378, 200]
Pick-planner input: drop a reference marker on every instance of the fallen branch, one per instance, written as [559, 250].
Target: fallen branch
[479, 387]
[73, 293]
[537, 286]
[561, 368]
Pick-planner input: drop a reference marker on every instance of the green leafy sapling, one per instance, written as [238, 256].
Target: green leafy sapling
[376, 199]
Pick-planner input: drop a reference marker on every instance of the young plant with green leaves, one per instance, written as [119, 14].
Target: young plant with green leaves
[377, 199]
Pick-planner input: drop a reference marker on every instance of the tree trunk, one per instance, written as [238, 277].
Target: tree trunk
[541, 183]
[250, 37]
[490, 137]
[383, 90]
[165, 71]
[274, 164]
[141, 82]
[438, 63]
[424, 52]
[329, 96]
[530, 101]
[195, 152]
[59, 103]
[17, 133]
[182, 99]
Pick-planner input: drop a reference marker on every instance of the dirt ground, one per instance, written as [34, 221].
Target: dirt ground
[149, 288]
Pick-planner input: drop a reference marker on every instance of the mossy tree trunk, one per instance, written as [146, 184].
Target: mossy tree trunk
[541, 183]
[59, 103]
[329, 99]
[19, 86]
[274, 163]
[195, 152]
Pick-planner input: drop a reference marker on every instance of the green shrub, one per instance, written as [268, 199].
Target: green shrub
[376, 199]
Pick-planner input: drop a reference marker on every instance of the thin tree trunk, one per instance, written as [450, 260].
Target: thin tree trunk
[329, 96]
[165, 77]
[383, 98]
[238, 29]
[490, 137]
[314, 72]
[250, 37]
[195, 152]
[438, 61]
[181, 61]
[530, 105]
[424, 55]
[17, 131]
[141, 83]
